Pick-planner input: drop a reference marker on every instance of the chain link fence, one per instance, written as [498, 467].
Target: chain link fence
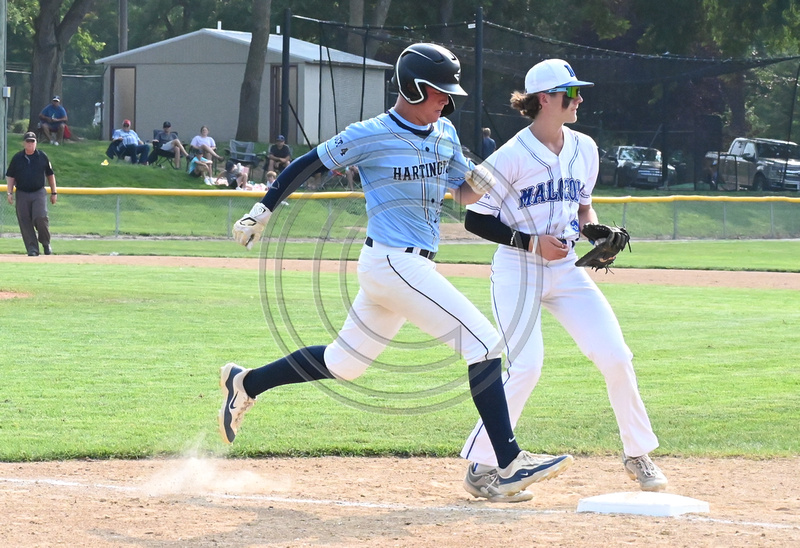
[126, 212]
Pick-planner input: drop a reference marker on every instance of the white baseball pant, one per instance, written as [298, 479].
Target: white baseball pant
[397, 287]
[569, 294]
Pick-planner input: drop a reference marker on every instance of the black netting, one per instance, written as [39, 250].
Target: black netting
[669, 102]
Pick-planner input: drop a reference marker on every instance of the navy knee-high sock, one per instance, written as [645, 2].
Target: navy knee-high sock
[486, 386]
[304, 365]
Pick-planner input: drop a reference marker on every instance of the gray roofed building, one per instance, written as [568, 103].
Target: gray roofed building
[195, 79]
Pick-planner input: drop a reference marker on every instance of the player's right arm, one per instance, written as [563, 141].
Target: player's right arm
[493, 229]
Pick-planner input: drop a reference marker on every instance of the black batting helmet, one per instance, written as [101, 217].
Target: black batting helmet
[428, 64]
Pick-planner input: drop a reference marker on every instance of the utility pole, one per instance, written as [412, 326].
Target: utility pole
[478, 93]
[6, 90]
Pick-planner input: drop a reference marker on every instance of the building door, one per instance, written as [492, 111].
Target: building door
[123, 97]
[275, 105]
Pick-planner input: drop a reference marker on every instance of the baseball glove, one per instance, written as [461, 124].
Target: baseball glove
[608, 242]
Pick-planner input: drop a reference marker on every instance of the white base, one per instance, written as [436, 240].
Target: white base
[642, 503]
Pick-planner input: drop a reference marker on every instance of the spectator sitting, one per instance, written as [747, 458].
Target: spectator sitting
[53, 119]
[271, 177]
[126, 142]
[206, 144]
[169, 141]
[352, 175]
[280, 155]
[200, 167]
[235, 175]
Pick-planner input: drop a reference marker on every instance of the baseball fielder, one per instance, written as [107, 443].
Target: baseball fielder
[546, 174]
[407, 158]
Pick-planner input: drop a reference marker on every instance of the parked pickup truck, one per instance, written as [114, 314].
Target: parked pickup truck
[756, 164]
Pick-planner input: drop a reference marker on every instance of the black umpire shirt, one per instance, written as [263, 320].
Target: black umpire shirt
[29, 172]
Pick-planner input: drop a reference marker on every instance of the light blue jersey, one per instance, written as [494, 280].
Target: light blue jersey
[405, 171]
[129, 137]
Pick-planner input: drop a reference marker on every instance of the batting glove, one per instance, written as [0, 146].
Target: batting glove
[249, 228]
[480, 179]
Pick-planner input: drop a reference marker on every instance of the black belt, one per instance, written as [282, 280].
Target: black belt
[421, 252]
[571, 243]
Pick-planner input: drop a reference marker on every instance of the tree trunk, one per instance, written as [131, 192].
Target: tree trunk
[734, 95]
[355, 40]
[445, 16]
[51, 38]
[250, 95]
[378, 19]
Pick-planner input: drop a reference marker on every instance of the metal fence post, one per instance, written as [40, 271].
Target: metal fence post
[624, 213]
[230, 217]
[772, 217]
[724, 220]
[674, 220]
[116, 223]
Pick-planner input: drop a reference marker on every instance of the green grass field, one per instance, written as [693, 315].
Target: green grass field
[756, 255]
[107, 361]
[121, 361]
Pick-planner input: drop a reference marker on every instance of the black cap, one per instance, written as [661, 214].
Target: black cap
[30, 136]
[167, 124]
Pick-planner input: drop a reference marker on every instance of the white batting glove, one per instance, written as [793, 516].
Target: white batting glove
[248, 229]
[480, 179]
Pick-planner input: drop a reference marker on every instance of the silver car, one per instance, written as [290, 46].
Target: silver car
[633, 166]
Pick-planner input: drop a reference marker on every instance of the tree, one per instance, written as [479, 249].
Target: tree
[250, 95]
[51, 38]
[355, 41]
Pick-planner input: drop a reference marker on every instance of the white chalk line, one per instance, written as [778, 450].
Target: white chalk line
[505, 509]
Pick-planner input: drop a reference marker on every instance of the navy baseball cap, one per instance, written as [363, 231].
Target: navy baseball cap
[30, 136]
[56, 98]
[281, 138]
[167, 124]
[551, 74]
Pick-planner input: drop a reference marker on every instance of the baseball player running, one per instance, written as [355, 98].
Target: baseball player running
[543, 198]
[407, 157]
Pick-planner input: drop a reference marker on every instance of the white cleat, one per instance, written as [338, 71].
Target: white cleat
[524, 470]
[235, 401]
[645, 471]
[483, 486]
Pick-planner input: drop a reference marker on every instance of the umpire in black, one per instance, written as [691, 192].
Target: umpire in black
[28, 171]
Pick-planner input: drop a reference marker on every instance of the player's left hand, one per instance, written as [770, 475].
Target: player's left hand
[249, 228]
[480, 179]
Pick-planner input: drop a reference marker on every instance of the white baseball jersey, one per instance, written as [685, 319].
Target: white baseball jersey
[537, 191]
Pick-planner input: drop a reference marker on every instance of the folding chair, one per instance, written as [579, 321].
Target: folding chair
[158, 156]
[335, 180]
[244, 152]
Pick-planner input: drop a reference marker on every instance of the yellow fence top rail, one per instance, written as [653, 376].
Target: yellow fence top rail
[258, 194]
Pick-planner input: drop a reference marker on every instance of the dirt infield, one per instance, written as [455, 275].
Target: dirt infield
[706, 278]
[378, 502]
[346, 502]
